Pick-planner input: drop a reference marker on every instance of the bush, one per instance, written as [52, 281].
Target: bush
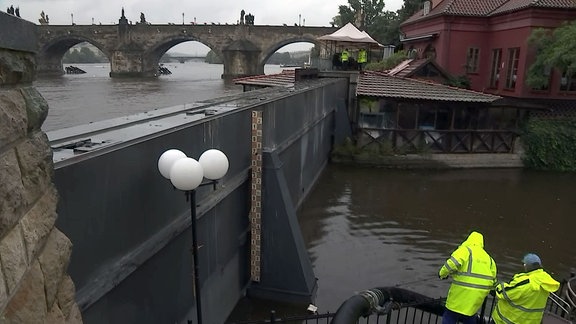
[550, 144]
[388, 63]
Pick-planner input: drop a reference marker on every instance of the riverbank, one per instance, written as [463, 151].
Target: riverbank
[437, 161]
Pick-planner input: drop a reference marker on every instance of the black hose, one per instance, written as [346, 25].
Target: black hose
[351, 310]
[367, 302]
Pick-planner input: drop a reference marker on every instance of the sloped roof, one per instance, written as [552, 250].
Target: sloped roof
[514, 5]
[282, 79]
[351, 34]
[486, 8]
[410, 67]
[380, 84]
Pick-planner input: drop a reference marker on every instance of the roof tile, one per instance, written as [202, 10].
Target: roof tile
[485, 8]
[285, 78]
[380, 84]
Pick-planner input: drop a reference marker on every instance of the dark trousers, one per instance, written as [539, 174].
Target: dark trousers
[450, 317]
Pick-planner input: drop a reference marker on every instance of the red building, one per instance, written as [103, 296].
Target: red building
[486, 40]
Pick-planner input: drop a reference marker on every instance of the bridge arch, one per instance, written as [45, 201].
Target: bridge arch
[50, 54]
[155, 52]
[268, 52]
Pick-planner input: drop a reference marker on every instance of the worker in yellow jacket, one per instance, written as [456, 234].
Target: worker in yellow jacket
[473, 273]
[362, 58]
[523, 299]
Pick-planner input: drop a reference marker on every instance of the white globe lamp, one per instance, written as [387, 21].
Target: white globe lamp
[167, 160]
[214, 163]
[186, 174]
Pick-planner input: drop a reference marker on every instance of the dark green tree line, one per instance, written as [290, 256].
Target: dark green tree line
[84, 55]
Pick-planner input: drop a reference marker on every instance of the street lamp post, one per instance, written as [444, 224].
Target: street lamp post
[187, 174]
[183, 19]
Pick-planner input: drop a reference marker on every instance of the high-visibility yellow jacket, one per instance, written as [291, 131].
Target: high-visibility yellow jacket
[362, 57]
[344, 56]
[522, 300]
[473, 274]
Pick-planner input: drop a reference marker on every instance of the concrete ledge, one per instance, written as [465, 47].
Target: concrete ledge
[17, 34]
[439, 161]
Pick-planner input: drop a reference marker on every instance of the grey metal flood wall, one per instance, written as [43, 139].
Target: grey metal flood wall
[131, 261]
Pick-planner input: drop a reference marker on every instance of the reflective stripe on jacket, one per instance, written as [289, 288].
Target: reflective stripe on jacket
[522, 301]
[473, 274]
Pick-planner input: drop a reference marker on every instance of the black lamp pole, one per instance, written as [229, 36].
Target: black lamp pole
[191, 194]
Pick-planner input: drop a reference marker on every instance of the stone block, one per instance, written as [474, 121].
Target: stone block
[3, 292]
[13, 121]
[54, 262]
[36, 166]
[55, 316]
[36, 108]
[66, 295]
[13, 256]
[75, 316]
[38, 222]
[12, 192]
[28, 305]
[16, 67]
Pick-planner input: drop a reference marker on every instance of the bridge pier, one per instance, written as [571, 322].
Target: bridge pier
[49, 65]
[240, 60]
[129, 64]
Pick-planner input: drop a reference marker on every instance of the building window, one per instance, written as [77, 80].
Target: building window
[568, 81]
[472, 60]
[512, 68]
[495, 67]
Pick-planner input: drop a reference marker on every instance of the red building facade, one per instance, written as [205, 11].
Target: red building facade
[486, 40]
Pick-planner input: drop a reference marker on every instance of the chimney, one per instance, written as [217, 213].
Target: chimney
[426, 10]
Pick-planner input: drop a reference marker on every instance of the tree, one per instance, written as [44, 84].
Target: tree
[362, 13]
[369, 15]
[409, 8]
[212, 58]
[555, 49]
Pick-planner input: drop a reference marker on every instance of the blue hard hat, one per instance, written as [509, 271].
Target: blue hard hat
[531, 258]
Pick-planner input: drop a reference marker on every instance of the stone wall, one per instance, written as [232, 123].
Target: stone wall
[34, 255]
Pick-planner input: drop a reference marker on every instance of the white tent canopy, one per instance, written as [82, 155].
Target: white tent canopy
[351, 34]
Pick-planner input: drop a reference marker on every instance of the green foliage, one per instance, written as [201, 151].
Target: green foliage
[369, 15]
[374, 152]
[388, 63]
[84, 55]
[276, 58]
[550, 145]
[359, 12]
[556, 49]
[460, 81]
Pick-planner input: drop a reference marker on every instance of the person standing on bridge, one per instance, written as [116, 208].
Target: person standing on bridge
[523, 299]
[473, 273]
[344, 57]
[362, 58]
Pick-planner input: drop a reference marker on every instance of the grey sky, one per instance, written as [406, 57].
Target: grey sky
[266, 12]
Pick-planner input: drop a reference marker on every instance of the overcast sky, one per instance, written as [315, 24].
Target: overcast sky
[266, 12]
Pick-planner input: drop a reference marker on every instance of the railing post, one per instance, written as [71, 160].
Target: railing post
[482, 310]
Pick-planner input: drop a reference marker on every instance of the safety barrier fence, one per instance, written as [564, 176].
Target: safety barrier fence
[559, 309]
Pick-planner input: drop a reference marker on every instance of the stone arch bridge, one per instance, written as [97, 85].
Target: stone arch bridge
[135, 50]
